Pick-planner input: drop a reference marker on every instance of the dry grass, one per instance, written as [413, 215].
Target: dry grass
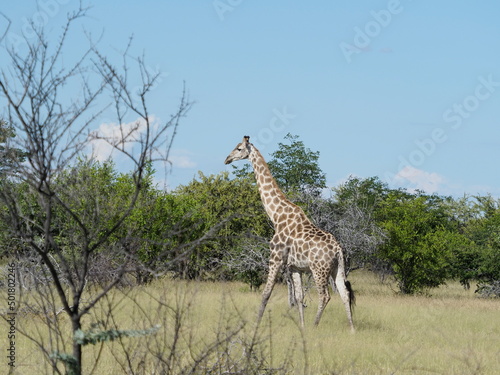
[450, 332]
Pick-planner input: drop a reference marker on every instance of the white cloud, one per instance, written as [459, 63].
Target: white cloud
[181, 159]
[417, 179]
[413, 179]
[110, 136]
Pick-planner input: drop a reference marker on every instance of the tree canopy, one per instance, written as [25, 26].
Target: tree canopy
[295, 167]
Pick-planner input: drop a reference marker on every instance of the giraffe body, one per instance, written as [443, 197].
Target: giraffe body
[297, 244]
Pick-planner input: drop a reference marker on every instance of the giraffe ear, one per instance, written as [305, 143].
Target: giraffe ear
[246, 139]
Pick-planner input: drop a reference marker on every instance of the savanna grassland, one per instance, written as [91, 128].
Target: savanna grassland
[451, 331]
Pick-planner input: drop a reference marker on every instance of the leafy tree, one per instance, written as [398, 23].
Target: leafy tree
[477, 257]
[462, 211]
[466, 261]
[157, 227]
[296, 167]
[419, 243]
[102, 191]
[484, 229]
[485, 232]
[369, 192]
[231, 205]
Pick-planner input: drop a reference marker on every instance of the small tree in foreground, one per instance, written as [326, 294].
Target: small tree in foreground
[53, 129]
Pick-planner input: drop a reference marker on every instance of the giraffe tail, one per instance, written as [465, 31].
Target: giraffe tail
[352, 297]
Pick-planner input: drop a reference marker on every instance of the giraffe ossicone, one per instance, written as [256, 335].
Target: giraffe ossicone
[297, 243]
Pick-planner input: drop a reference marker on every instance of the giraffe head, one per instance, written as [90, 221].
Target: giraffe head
[241, 151]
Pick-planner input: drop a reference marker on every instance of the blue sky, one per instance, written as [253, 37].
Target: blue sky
[405, 90]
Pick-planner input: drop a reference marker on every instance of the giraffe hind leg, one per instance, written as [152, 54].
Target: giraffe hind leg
[323, 295]
[347, 295]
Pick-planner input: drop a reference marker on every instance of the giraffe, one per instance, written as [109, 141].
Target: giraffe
[297, 244]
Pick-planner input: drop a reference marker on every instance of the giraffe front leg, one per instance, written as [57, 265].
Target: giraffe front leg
[291, 291]
[274, 268]
[299, 294]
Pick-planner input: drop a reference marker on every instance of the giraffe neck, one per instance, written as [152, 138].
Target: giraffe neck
[271, 195]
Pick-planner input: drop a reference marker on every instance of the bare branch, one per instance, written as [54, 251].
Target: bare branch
[53, 129]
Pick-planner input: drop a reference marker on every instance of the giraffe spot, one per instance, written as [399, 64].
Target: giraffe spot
[276, 256]
[282, 237]
[283, 218]
[323, 263]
